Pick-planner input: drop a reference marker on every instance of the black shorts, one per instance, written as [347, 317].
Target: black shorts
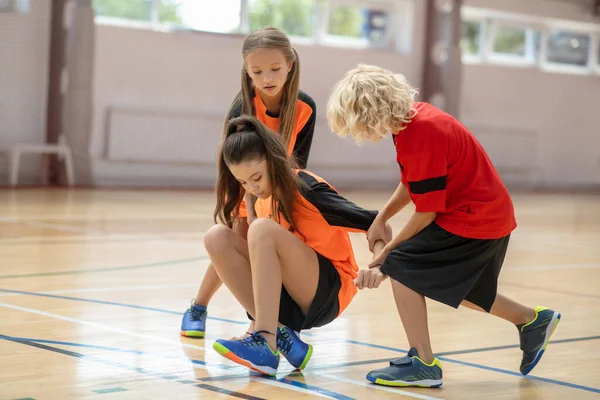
[325, 306]
[448, 268]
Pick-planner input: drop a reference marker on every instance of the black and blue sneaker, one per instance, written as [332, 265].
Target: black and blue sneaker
[193, 323]
[409, 371]
[293, 348]
[535, 335]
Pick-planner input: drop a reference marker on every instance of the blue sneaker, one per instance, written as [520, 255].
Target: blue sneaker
[252, 352]
[409, 371]
[193, 323]
[293, 348]
[535, 336]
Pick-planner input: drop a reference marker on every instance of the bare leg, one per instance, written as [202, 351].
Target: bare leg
[211, 281]
[413, 313]
[507, 309]
[229, 254]
[278, 257]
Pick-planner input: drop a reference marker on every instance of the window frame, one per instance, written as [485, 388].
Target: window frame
[528, 59]
[326, 39]
[549, 66]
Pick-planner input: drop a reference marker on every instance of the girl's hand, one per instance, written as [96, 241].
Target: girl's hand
[369, 278]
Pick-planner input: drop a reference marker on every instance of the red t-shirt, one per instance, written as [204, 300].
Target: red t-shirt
[447, 171]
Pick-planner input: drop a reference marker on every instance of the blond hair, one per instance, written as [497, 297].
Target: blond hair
[369, 102]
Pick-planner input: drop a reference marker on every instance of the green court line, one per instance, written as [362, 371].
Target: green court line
[110, 390]
[100, 270]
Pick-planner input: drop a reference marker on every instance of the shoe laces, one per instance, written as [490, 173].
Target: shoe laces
[254, 341]
[284, 341]
[195, 314]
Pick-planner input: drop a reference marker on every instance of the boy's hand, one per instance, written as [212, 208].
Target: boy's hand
[379, 230]
[379, 258]
[369, 278]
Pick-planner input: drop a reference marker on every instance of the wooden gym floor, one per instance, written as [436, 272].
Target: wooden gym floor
[93, 284]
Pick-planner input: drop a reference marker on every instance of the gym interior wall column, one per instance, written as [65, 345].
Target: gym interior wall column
[442, 64]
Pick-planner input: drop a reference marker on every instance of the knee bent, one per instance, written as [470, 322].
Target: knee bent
[262, 229]
[216, 239]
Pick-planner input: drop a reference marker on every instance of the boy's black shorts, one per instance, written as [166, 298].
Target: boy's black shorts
[448, 268]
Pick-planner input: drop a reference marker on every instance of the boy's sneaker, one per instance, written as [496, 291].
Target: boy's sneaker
[409, 371]
[535, 336]
[193, 323]
[252, 352]
[293, 348]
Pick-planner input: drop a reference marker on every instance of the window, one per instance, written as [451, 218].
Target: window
[513, 43]
[358, 25]
[294, 17]
[470, 41]
[508, 40]
[568, 48]
[137, 10]
[222, 16]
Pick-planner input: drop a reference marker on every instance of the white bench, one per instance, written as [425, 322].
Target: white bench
[61, 150]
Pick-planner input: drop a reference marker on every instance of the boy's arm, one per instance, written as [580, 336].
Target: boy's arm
[418, 222]
[394, 205]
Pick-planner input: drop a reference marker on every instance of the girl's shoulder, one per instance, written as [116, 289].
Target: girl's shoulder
[306, 99]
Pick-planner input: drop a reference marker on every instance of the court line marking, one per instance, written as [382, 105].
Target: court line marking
[206, 257]
[376, 387]
[277, 382]
[144, 371]
[450, 353]
[487, 368]
[553, 291]
[7, 292]
[109, 269]
[110, 235]
[237, 376]
[100, 326]
[353, 342]
[112, 303]
[152, 287]
[109, 289]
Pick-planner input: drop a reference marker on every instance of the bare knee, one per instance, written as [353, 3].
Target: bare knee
[261, 231]
[216, 239]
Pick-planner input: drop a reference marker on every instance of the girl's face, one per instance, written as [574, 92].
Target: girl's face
[268, 69]
[253, 175]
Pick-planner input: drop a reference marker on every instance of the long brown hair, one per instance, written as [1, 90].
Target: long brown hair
[247, 139]
[271, 38]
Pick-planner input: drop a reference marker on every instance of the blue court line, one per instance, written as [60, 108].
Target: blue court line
[123, 366]
[110, 390]
[594, 390]
[311, 388]
[30, 341]
[485, 367]
[117, 350]
[112, 303]
[447, 353]
[100, 270]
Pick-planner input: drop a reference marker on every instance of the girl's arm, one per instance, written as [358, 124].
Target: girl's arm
[305, 136]
[336, 209]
